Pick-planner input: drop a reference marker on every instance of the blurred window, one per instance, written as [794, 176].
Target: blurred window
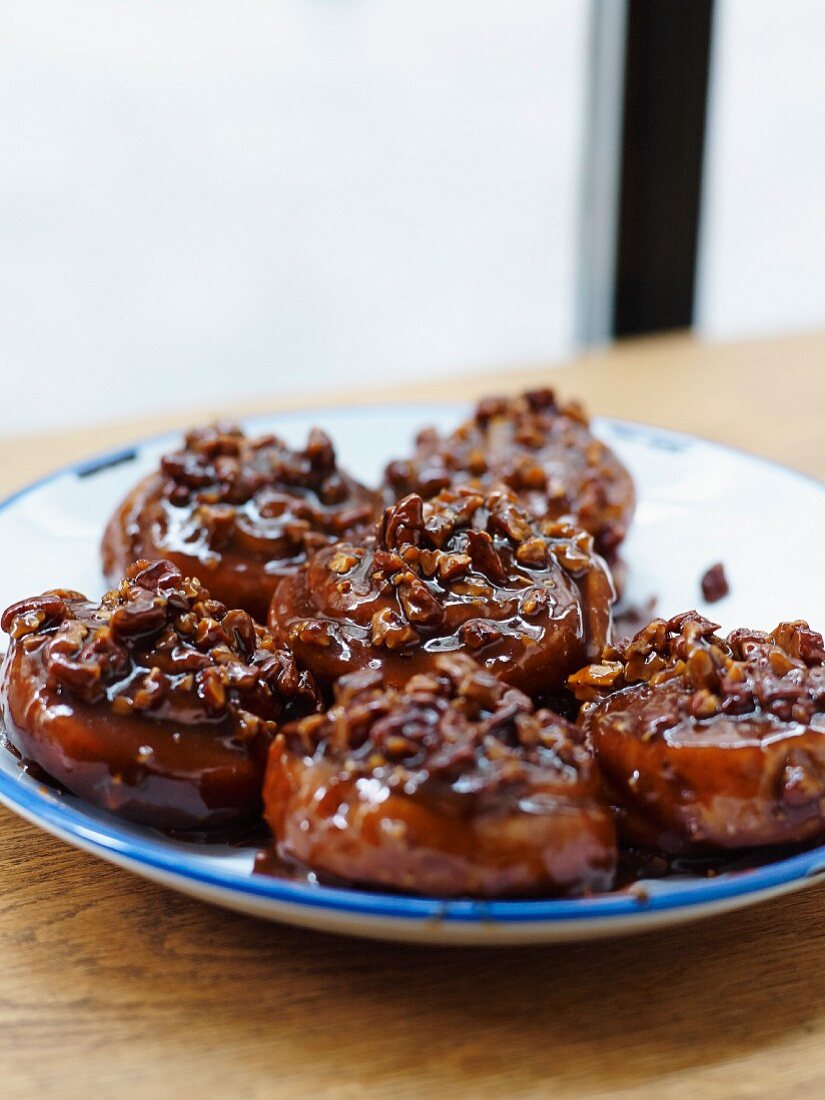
[201, 201]
[762, 256]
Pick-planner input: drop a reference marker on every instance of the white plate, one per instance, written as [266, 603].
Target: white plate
[698, 503]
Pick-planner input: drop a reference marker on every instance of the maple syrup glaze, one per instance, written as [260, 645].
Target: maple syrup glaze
[157, 703]
[710, 743]
[464, 572]
[451, 785]
[452, 644]
[540, 449]
[238, 513]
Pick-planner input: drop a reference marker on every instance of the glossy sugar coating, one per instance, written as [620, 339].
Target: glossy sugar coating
[238, 512]
[465, 571]
[540, 449]
[450, 785]
[157, 703]
[710, 742]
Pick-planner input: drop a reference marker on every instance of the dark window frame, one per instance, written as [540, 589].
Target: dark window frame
[667, 65]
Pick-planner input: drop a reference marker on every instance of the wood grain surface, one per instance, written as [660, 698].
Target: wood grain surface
[112, 986]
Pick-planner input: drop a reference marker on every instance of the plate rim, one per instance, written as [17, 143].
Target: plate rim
[61, 817]
[630, 428]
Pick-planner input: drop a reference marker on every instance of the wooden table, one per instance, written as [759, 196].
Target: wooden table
[111, 985]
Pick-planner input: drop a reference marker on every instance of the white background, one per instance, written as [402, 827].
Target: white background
[762, 257]
[232, 198]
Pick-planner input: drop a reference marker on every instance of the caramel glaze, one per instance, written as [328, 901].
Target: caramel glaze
[157, 703]
[238, 513]
[450, 786]
[708, 742]
[541, 450]
[465, 572]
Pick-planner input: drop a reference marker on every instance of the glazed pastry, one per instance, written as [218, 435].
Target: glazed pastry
[465, 572]
[238, 513]
[157, 703]
[708, 742]
[541, 450]
[452, 785]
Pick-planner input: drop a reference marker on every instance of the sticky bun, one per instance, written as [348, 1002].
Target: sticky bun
[237, 512]
[710, 742]
[157, 703]
[450, 785]
[541, 450]
[464, 571]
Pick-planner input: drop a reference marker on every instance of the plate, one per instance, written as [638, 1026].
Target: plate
[698, 503]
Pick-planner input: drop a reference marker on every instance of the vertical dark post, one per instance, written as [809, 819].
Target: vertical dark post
[663, 129]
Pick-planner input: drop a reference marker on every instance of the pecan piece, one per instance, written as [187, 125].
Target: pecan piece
[532, 551]
[211, 690]
[239, 626]
[32, 615]
[389, 630]
[419, 604]
[403, 523]
[484, 556]
[143, 614]
[342, 561]
[478, 633]
[714, 583]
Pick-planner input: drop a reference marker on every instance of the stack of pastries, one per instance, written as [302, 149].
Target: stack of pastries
[418, 685]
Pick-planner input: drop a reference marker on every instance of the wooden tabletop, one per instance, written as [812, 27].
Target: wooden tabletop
[110, 985]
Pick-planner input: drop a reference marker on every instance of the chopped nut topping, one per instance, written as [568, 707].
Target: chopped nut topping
[781, 673]
[261, 495]
[714, 583]
[452, 566]
[343, 561]
[537, 447]
[599, 676]
[390, 630]
[457, 720]
[461, 569]
[478, 633]
[32, 615]
[533, 551]
[154, 641]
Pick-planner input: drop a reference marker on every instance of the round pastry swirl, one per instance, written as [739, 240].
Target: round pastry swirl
[531, 601]
[709, 742]
[238, 513]
[157, 703]
[451, 785]
[542, 450]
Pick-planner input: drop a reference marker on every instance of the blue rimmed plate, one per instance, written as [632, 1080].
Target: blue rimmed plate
[698, 503]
